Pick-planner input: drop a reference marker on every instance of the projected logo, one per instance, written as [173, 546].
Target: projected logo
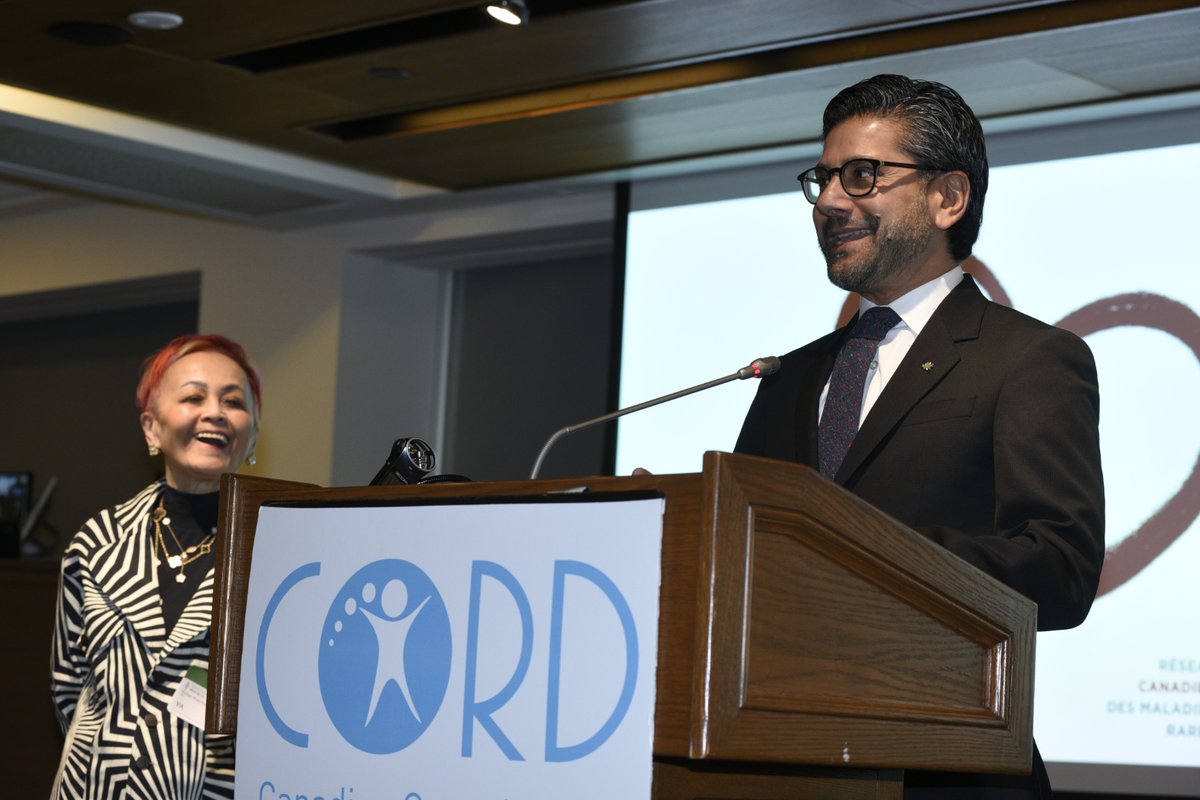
[1137, 309]
[1134, 553]
[385, 656]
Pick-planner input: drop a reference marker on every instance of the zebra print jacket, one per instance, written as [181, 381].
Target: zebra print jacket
[114, 670]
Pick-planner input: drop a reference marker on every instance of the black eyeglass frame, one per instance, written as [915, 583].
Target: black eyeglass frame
[875, 165]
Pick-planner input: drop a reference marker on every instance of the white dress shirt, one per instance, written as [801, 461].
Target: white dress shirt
[915, 308]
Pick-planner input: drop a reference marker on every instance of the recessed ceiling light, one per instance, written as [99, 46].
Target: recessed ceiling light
[510, 12]
[155, 20]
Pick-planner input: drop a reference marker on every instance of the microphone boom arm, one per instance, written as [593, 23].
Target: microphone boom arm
[757, 369]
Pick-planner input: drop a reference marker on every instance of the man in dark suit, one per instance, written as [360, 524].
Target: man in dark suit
[974, 424]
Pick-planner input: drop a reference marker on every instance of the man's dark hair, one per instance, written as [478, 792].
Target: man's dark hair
[939, 129]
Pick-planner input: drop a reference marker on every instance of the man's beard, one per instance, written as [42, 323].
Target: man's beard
[903, 242]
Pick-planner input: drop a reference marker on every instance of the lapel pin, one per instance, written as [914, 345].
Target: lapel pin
[928, 365]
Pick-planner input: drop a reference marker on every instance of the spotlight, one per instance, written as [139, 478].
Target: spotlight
[510, 12]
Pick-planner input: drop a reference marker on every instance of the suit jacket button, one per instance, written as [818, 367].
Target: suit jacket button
[150, 720]
[142, 762]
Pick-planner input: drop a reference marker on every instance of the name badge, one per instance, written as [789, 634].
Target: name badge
[191, 696]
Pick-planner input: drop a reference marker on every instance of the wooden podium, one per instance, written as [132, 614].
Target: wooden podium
[809, 645]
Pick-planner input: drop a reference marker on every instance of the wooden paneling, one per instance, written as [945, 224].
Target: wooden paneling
[838, 637]
[30, 739]
[596, 89]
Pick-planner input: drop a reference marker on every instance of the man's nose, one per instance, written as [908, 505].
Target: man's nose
[833, 200]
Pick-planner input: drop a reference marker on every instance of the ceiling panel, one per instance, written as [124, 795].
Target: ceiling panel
[589, 88]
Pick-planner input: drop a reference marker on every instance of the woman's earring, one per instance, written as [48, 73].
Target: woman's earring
[251, 460]
[153, 450]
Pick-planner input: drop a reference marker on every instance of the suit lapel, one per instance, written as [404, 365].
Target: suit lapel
[128, 578]
[932, 357]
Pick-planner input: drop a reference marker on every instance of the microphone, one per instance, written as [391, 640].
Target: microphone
[759, 368]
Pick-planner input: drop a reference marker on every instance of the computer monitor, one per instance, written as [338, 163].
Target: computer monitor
[16, 488]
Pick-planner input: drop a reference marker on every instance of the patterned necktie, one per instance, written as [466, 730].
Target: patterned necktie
[843, 403]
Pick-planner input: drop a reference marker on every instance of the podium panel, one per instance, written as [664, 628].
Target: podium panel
[493, 649]
[839, 637]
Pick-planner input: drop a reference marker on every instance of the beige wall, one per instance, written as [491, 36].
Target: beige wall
[283, 295]
[276, 293]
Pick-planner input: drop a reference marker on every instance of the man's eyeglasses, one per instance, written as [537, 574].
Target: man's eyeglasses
[857, 175]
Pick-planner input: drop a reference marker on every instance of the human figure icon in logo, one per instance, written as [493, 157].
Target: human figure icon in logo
[392, 631]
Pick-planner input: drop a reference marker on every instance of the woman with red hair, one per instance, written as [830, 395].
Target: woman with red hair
[131, 635]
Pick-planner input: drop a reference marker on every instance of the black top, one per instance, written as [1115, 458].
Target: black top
[193, 519]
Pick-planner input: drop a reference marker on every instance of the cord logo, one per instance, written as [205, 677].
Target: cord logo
[386, 652]
[384, 661]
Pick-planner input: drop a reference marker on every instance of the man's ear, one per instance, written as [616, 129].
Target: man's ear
[948, 197]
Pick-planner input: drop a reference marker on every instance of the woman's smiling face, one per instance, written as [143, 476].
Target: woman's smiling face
[202, 419]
